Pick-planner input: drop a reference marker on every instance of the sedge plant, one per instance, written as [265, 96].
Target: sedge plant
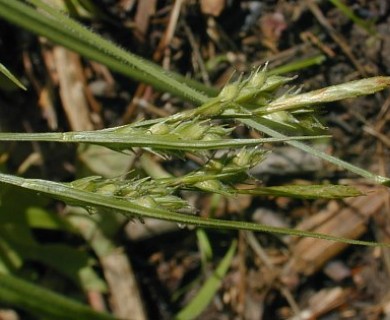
[258, 101]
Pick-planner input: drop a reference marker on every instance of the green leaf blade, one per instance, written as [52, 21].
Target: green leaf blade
[209, 288]
[305, 191]
[8, 74]
[41, 301]
[87, 199]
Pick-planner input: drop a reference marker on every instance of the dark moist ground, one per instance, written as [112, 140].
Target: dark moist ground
[271, 277]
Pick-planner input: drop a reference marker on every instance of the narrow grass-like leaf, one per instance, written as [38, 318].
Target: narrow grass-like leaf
[37, 300]
[305, 191]
[17, 209]
[298, 65]
[77, 197]
[11, 77]
[27, 17]
[61, 29]
[209, 288]
[367, 25]
[128, 141]
[70, 262]
[204, 245]
[317, 153]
